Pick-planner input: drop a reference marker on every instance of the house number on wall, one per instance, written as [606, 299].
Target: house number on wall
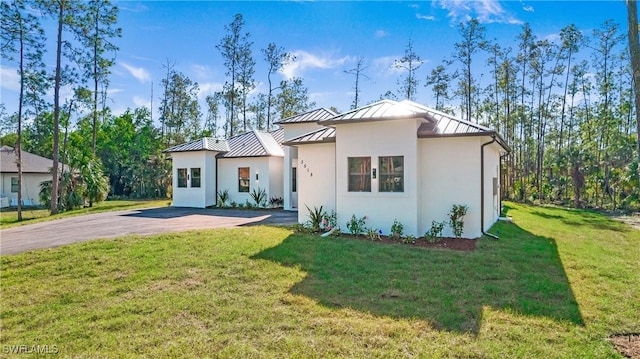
[305, 166]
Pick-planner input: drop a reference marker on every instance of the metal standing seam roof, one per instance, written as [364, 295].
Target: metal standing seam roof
[378, 111]
[31, 163]
[327, 134]
[436, 123]
[253, 144]
[311, 116]
[278, 135]
[202, 144]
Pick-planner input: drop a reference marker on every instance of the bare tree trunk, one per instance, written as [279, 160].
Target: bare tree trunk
[634, 51]
[56, 112]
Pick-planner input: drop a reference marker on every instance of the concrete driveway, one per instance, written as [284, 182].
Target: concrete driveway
[138, 221]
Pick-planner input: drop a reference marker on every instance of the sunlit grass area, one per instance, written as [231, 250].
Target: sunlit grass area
[557, 284]
[9, 217]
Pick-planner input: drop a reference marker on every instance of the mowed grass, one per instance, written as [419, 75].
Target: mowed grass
[557, 284]
[9, 217]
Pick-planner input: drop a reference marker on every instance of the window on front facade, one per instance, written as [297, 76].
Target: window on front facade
[294, 179]
[182, 177]
[14, 184]
[195, 177]
[359, 174]
[391, 174]
[243, 179]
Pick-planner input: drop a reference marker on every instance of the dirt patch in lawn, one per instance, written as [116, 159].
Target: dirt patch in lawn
[456, 244]
[633, 220]
[627, 344]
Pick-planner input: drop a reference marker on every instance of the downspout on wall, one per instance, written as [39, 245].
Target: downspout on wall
[493, 140]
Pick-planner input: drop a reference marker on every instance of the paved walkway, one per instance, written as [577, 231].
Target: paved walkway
[139, 221]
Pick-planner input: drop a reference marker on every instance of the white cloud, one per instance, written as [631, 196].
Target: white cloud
[383, 66]
[208, 88]
[201, 71]
[485, 11]
[306, 61]
[414, 6]
[425, 17]
[553, 38]
[140, 101]
[380, 33]
[140, 73]
[10, 78]
[528, 8]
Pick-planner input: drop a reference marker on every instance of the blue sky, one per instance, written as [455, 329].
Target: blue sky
[326, 37]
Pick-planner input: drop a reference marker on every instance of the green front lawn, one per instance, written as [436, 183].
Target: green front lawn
[556, 285]
[9, 217]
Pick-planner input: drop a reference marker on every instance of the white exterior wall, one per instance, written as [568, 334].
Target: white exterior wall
[194, 197]
[228, 177]
[276, 175]
[30, 187]
[316, 178]
[451, 167]
[292, 130]
[491, 171]
[374, 139]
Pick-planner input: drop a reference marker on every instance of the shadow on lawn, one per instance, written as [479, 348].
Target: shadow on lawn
[253, 216]
[581, 218]
[520, 272]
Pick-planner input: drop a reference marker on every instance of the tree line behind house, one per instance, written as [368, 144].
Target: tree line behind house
[565, 107]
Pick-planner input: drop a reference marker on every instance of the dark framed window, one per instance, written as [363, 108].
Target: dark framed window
[14, 184]
[294, 179]
[195, 177]
[391, 170]
[359, 174]
[182, 177]
[243, 179]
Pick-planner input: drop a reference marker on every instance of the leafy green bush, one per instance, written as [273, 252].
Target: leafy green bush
[373, 234]
[276, 202]
[456, 219]
[356, 225]
[223, 198]
[316, 216]
[259, 196]
[397, 229]
[435, 232]
[408, 239]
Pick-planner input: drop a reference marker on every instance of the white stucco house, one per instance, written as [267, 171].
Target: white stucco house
[387, 161]
[240, 165]
[35, 170]
[399, 160]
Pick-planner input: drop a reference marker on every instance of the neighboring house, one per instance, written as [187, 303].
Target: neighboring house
[35, 170]
[399, 160]
[240, 165]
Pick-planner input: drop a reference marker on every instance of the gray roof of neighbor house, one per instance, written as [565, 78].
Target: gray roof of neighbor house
[435, 124]
[253, 144]
[202, 144]
[311, 116]
[31, 163]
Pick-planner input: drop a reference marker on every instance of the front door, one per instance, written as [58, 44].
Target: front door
[294, 187]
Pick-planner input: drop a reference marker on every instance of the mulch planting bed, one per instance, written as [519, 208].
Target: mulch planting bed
[627, 344]
[456, 244]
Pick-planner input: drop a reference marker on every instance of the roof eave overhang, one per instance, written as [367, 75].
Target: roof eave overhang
[259, 156]
[324, 140]
[498, 138]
